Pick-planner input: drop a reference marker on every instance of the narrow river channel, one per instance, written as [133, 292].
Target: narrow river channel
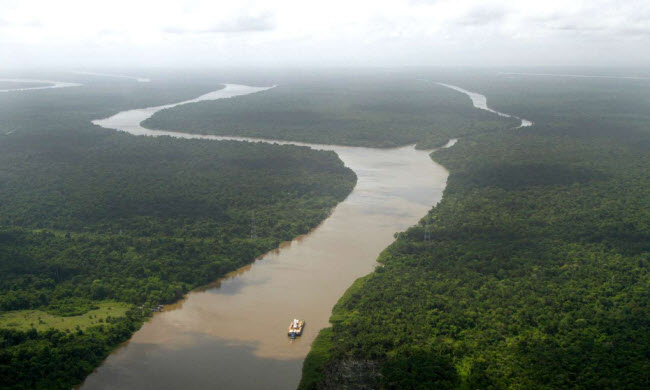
[232, 334]
[40, 84]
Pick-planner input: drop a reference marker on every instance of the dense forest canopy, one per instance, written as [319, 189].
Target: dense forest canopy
[98, 227]
[104, 214]
[376, 111]
[532, 272]
[74, 108]
[154, 187]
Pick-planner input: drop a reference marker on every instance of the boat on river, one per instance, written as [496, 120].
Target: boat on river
[295, 328]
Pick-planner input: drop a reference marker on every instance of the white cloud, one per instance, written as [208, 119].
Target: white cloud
[336, 32]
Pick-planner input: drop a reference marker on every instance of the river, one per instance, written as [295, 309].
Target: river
[480, 101]
[232, 334]
[48, 84]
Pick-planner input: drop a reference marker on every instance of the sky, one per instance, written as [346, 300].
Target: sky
[88, 33]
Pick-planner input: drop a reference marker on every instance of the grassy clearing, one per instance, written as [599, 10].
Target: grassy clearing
[41, 320]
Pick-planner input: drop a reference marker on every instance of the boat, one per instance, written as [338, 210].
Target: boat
[295, 328]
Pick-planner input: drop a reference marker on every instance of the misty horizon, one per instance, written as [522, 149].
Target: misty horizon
[78, 35]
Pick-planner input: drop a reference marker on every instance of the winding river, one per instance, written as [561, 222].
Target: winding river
[480, 101]
[232, 334]
[49, 84]
[113, 75]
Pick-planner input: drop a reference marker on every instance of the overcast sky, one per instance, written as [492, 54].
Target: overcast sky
[87, 33]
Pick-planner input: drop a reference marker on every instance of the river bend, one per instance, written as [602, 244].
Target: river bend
[480, 101]
[49, 84]
[232, 334]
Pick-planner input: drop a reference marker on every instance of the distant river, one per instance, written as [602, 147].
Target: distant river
[40, 84]
[480, 101]
[232, 334]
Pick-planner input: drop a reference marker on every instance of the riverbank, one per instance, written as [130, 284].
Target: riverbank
[18, 85]
[385, 200]
[531, 272]
[389, 201]
[141, 220]
[369, 111]
[395, 188]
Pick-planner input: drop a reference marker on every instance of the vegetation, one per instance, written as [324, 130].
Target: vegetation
[42, 320]
[63, 109]
[92, 219]
[360, 111]
[536, 273]
[55, 359]
[161, 187]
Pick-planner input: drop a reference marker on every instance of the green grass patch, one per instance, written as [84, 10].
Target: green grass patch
[42, 320]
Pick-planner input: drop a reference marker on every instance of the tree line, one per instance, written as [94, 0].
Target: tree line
[535, 274]
[88, 215]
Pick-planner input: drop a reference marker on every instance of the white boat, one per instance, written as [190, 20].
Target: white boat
[296, 327]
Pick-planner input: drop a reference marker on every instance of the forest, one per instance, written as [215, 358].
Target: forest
[368, 110]
[100, 227]
[532, 272]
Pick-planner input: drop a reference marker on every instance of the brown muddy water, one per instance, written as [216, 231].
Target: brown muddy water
[233, 334]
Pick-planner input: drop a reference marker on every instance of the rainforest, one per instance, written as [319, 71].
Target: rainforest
[511, 257]
[532, 272]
